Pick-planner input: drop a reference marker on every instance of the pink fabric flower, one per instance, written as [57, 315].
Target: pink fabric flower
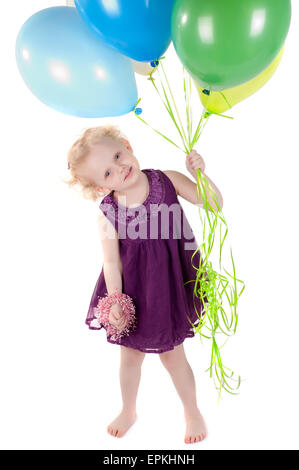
[128, 308]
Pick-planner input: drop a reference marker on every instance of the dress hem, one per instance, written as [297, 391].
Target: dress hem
[155, 350]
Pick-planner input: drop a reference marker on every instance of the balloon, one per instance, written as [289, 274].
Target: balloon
[69, 69]
[139, 29]
[223, 43]
[221, 101]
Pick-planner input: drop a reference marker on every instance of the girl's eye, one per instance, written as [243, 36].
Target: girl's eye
[117, 155]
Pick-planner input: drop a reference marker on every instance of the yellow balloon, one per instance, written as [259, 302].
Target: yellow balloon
[142, 68]
[220, 101]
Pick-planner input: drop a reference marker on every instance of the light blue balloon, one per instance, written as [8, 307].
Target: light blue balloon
[140, 29]
[69, 69]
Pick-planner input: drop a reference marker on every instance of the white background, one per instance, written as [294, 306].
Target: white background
[59, 380]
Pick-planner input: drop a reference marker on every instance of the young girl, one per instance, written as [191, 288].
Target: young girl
[147, 255]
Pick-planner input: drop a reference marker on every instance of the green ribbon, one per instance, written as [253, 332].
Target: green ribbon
[214, 285]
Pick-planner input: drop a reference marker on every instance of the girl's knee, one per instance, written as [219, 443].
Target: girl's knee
[174, 358]
[168, 359]
[131, 357]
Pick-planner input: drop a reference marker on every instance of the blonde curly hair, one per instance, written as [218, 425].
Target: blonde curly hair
[79, 152]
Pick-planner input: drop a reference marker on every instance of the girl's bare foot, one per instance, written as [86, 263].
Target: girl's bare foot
[122, 423]
[195, 428]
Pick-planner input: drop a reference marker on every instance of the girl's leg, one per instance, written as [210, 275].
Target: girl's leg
[130, 372]
[176, 363]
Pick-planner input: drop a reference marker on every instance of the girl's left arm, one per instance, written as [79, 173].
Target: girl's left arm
[187, 189]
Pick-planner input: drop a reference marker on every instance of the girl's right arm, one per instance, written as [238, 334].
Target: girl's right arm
[112, 265]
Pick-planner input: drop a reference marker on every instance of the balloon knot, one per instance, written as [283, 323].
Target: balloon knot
[206, 92]
[154, 63]
[138, 111]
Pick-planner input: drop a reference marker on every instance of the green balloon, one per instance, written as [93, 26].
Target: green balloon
[223, 43]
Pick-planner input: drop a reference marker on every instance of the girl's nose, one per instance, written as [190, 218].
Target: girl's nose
[124, 172]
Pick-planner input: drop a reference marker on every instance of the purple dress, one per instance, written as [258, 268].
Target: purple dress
[156, 245]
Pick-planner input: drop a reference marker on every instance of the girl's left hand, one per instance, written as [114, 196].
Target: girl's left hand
[195, 161]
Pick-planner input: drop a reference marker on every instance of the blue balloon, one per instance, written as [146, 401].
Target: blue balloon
[140, 29]
[68, 68]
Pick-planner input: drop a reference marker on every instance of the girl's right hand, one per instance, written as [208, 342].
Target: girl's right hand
[116, 316]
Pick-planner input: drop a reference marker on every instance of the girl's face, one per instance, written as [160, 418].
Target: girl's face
[111, 165]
